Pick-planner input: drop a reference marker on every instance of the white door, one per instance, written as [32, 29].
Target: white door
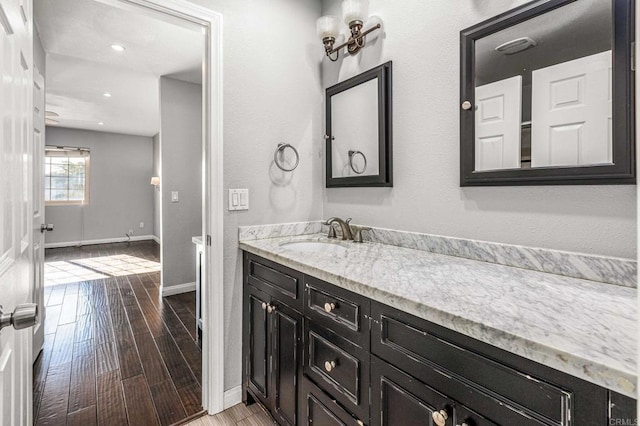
[571, 113]
[498, 124]
[38, 208]
[16, 206]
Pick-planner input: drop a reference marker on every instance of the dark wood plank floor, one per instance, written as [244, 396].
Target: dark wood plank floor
[115, 352]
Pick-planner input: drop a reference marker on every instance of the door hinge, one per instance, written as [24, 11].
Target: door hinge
[209, 240]
[633, 56]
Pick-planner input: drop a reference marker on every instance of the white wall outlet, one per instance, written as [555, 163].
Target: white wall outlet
[141, 224]
[175, 198]
[238, 199]
[130, 232]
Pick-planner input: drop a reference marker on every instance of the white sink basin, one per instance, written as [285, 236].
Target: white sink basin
[315, 247]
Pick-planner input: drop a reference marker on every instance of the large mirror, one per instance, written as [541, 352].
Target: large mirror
[358, 133]
[547, 95]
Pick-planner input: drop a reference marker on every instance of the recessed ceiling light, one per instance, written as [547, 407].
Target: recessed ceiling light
[51, 122]
[51, 114]
[100, 123]
[118, 48]
[107, 95]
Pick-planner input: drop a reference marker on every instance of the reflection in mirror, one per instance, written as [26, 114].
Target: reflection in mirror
[543, 90]
[354, 127]
[358, 132]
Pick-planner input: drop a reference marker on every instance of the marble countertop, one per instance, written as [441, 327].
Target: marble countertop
[583, 328]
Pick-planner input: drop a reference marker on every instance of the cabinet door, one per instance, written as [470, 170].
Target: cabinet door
[398, 399]
[257, 343]
[286, 336]
[320, 409]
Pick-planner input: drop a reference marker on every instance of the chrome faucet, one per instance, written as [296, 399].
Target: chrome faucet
[344, 225]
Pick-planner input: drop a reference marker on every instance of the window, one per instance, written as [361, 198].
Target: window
[66, 176]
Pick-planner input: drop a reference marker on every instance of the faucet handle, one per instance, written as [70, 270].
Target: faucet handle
[348, 220]
[357, 238]
[332, 232]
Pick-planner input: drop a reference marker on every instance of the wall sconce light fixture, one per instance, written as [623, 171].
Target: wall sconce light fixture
[155, 181]
[354, 13]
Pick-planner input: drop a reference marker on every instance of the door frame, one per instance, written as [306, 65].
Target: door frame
[212, 192]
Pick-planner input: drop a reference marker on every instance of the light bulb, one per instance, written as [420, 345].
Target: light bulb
[328, 26]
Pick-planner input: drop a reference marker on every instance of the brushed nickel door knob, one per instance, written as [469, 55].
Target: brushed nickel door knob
[264, 306]
[466, 105]
[329, 365]
[23, 316]
[271, 309]
[328, 307]
[440, 417]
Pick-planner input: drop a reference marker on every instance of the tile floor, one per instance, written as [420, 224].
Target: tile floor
[238, 415]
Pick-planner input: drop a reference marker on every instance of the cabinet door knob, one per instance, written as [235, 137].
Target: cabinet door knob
[329, 365]
[466, 105]
[328, 307]
[271, 309]
[264, 306]
[463, 424]
[440, 417]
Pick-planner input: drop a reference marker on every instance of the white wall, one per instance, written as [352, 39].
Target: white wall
[422, 40]
[181, 160]
[120, 195]
[272, 94]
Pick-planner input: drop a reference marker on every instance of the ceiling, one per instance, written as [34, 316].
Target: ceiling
[572, 31]
[81, 65]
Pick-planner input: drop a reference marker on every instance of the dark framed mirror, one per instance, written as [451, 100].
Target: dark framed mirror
[547, 95]
[359, 130]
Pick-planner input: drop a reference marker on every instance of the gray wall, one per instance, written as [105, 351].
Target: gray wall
[272, 94]
[156, 194]
[181, 159]
[120, 195]
[422, 40]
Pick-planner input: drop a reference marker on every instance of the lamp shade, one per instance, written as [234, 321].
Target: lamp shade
[355, 10]
[328, 26]
[155, 181]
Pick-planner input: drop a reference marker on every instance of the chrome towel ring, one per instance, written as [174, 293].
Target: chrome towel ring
[352, 154]
[278, 156]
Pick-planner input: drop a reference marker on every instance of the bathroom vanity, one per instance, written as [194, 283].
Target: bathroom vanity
[338, 333]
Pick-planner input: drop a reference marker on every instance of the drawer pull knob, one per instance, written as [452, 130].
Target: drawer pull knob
[440, 417]
[329, 365]
[271, 309]
[463, 424]
[328, 307]
[264, 306]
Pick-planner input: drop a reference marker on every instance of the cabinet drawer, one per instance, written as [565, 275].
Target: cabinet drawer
[276, 280]
[340, 310]
[412, 344]
[339, 367]
[321, 410]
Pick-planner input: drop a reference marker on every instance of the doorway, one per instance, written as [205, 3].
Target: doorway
[132, 296]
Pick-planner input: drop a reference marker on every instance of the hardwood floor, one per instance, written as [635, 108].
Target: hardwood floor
[115, 352]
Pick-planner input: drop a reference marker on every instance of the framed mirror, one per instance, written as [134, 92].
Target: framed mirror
[358, 130]
[547, 95]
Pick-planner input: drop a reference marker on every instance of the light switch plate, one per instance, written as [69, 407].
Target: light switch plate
[238, 199]
[174, 197]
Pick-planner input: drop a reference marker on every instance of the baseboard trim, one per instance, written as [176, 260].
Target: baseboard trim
[178, 289]
[99, 241]
[232, 397]
[156, 239]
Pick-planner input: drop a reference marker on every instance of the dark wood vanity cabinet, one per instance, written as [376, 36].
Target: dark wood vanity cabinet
[317, 354]
[272, 338]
